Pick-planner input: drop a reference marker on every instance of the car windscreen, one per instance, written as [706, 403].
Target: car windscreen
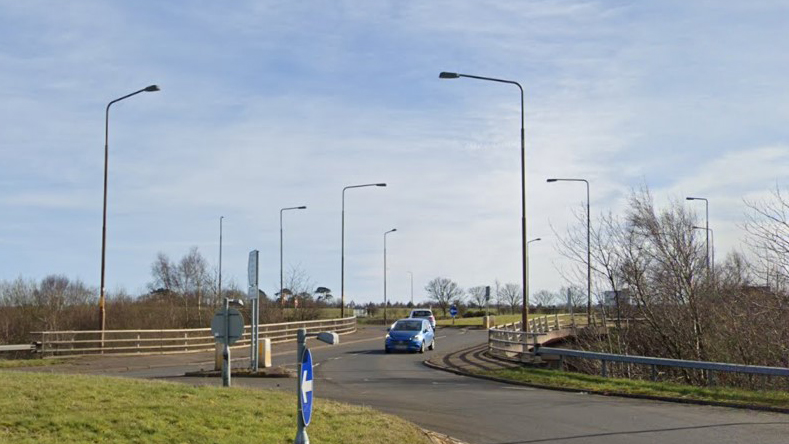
[421, 313]
[407, 326]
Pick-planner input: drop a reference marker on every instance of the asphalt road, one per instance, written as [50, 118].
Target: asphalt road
[485, 412]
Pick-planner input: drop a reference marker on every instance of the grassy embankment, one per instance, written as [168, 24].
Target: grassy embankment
[399, 313]
[555, 378]
[477, 322]
[46, 408]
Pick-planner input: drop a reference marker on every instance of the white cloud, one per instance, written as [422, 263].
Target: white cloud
[267, 105]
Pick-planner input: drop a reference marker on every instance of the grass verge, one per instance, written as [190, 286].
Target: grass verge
[579, 381]
[16, 363]
[47, 408]
[472, 322]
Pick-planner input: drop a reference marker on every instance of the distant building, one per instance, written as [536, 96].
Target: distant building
[609, 297]
[360, 312]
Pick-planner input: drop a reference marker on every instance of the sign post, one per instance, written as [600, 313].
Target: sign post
[252, 272]
[227, 326]
[304, 380]
[453, 311]
[487, 299]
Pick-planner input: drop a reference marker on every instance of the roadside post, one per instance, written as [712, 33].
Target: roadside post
[304, 380]
[227, 326]
[487, 323]
[453, 311]
[252, 271]
[487, 299]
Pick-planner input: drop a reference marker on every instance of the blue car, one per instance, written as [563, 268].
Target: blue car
[410, 335]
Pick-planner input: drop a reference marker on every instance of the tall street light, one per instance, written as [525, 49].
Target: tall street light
[412, 288]
[711, 234]
[390, 231]
[524, 245]
[150, 88]
[281, 284]
[342, 248]
[706, 226]
[219, 287]
[588, 248]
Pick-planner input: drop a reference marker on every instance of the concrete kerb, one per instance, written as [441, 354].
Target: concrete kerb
[440, 438]
[460, 372]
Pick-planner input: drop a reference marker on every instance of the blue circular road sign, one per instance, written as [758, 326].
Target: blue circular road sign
[305, 378]
[453, 311]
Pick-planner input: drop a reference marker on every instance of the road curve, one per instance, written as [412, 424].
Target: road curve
[486, 412]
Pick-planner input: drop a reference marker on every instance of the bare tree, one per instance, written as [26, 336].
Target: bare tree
[512, 295]
[576, 295]
[189, 281]
[442, 291]
[55, 303]
[767, 225]
[477, 295]
[543, 298]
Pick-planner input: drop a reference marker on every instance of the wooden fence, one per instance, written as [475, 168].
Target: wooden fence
[130, 342]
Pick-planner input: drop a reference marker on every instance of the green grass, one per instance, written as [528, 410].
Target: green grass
[591, 383]
[46, 408]
[15, 363]
[470, 322]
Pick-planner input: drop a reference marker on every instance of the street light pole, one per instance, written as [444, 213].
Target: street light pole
[588, 248]
[102, 295]
[390, 231]
[524, 245]
[412, 288]
[706, 226]
[711, 234]
[219, 287]
[342, 247]
[281, 282]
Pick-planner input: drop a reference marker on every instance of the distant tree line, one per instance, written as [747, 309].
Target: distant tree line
[181, 294]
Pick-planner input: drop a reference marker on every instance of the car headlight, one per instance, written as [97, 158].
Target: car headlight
[388, 337]
[416, 338]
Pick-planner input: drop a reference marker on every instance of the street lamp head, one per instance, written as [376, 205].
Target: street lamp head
[152, 88]
[380, 184]
[448, 75]
[552, 180]
[301, 207]
[690, 198]
[394, 229]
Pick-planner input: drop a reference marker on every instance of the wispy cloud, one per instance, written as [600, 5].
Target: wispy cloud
[272, 104]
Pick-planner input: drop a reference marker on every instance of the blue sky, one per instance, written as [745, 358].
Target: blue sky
[267, 105]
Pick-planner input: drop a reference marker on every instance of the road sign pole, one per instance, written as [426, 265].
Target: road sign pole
[301, 431]
[487, 300]
[226, 349]
[252, 272]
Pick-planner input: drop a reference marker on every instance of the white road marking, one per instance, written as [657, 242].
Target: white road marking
[439, 337]
[306, 386]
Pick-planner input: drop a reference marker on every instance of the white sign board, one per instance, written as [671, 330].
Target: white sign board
[252, 272]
